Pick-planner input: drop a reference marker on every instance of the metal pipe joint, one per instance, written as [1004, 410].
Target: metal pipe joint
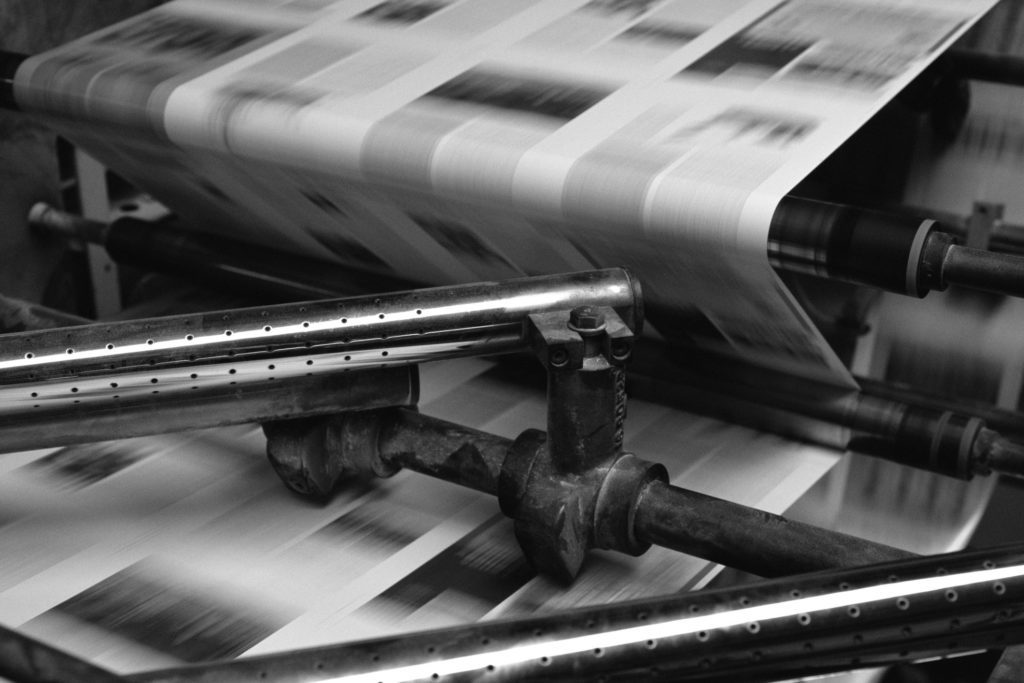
[569, 491]
[312, 455]
[560, 516]
[577, 490]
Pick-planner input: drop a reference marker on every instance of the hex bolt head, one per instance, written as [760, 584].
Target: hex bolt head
[586, 318]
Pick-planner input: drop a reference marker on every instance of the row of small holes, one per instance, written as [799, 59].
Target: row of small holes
[153, 380]
[228, 333]
[232, 371]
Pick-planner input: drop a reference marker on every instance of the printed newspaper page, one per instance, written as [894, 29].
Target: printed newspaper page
[148, 553]
[456, 140]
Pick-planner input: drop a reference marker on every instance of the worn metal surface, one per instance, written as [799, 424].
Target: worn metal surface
[752, 540]
[553, 491]
[570, 490]
[984, 270]
[315, 457]
[627, 502]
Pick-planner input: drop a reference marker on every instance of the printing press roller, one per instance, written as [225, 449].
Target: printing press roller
[933, 271]
[99, 380]
[901, 429]
[892, 252]
[841, 242]
[574, 480]
[276, 364]
[955, 439]
[279, 363]
[88, 379]
[966, 449]
[897, 252]
[661, 514]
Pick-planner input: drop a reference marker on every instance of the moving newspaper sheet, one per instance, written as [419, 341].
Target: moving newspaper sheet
[147, 553]
[459, 140]
[443, 141]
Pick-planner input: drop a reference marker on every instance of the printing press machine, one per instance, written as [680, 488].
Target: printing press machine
[277, 352]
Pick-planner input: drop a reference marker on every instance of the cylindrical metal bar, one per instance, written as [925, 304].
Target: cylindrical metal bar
[987, 66]
[864, 246]
[45, 373]
[26, 660]
[166, 247]
[832, 240]
[442, 449]
[938, 436]
[202, 407]
[746, 538]
[47, 219]
[1003, 237]
[53, 374]
[829, 621]
[687, 521]
[1004, 456]
[586, 410]
[208, 406]
[985, 270]
[1009, 423]
[1007, 238]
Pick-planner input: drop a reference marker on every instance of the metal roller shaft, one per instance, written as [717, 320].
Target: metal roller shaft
[746, 538]
[981, 269]
[215, 406]
[879, 420]
[318, 394]
[898, 252]
[883, 427]
[984, 228]
[755, 541]
[785, 628]
[1009, 423]
[990, 67]
[70, 376]
[214, 260]
[895, 252]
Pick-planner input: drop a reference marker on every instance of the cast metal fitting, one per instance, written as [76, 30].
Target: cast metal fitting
[560, 516]
[576, 489]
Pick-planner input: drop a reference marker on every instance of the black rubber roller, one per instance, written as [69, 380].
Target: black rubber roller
[844, 242]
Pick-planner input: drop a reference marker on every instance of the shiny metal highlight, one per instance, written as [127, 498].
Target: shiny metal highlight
[61, 375]
[898, 611]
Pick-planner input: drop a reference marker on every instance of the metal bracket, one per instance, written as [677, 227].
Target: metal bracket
[576, 490]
